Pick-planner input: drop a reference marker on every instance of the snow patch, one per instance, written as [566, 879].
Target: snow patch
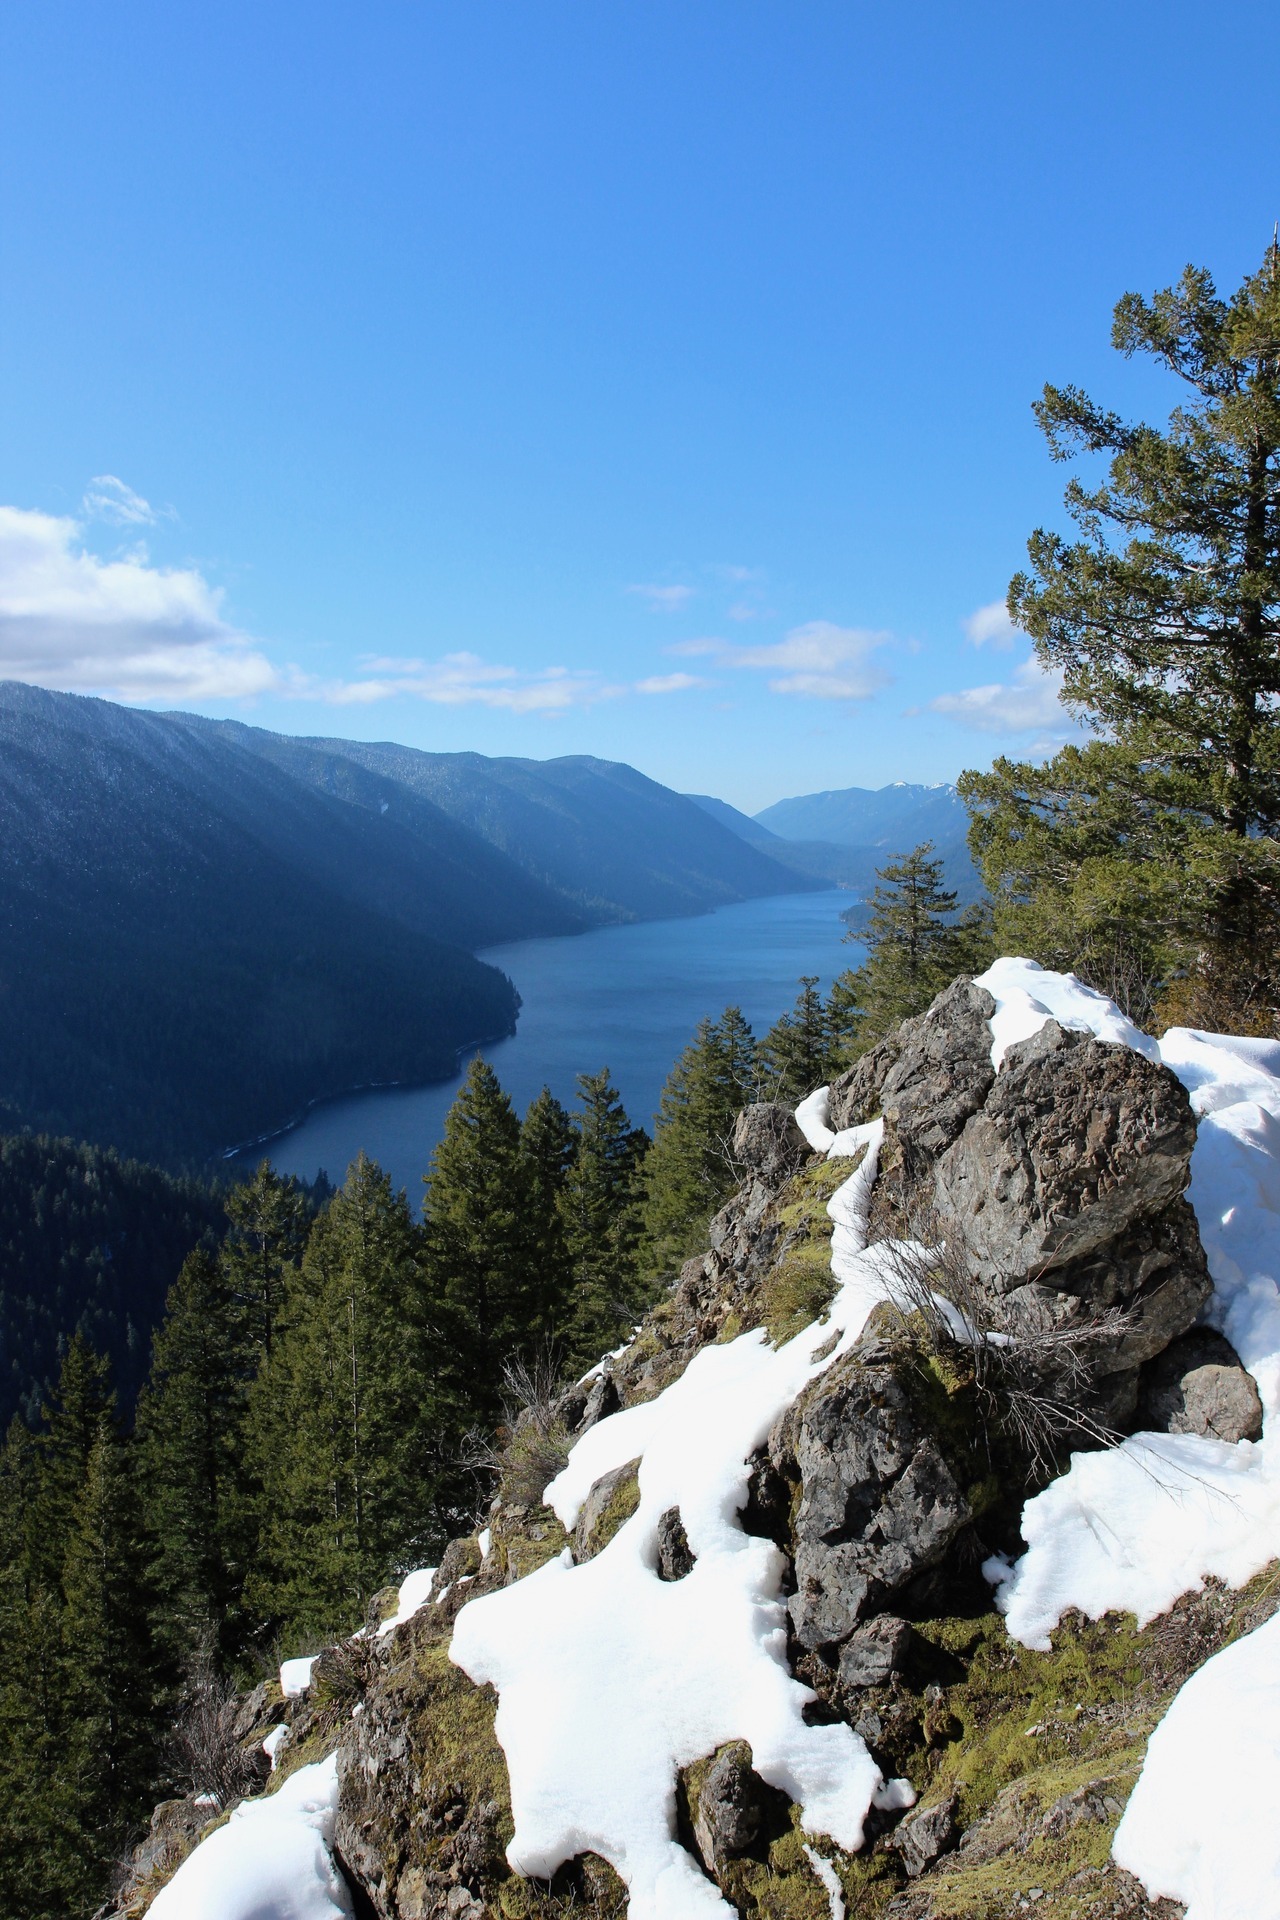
[415, 1589]
[295, 1675]
[271, 1745]
[830, 1881]
[812, 1118]
[576, 1652]
[1201, 1824]
[271, 1861]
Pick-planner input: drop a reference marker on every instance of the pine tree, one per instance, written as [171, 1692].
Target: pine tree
[1152, 848]
[198, 1493]
[269, 1219]
[114, 1692]
[796, 1051]
[601, 1208]
[548, 1145]
[916, 945]
[689, 1171]
[342, 1427]
[480, 1255]
[73, 1417]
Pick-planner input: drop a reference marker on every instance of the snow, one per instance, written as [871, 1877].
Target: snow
[812, 1119]
[295, 1676]
[830, 1880]
[576, 1652]
[415, 1589]
[1133, 1527]
[484, 1540]
[271, 1744]
[1201, 1823]
[271, 1860]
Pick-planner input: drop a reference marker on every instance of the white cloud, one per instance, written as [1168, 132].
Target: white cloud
[79, 624]
[663, 599]
[668, 683]
[819, 661]
[107, 498]
[464, 679]
[1030, 700]
[990, 626]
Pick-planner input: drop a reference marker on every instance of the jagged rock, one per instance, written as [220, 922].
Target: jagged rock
[675, 1556]
[874, 1653]
[176, 1826]
[925, 1834]
[1197, 1385]
[730, 1807]
[878, 1503]
[1077, 1142]
[767, 1140]
[942, 1074]
[460, 1559]
[855, 1094]
[612, 1499]
[254, 1710]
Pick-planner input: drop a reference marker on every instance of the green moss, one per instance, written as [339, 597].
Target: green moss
[622, 1503]
[801, 1286]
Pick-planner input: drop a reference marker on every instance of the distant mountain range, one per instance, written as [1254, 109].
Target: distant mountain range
[846, 834]
[204, 926]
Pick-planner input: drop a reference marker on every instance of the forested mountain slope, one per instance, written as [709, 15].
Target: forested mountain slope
[617, 845]
[873, 824]
[204, 926]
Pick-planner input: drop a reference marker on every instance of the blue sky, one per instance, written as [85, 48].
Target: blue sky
[649, 380]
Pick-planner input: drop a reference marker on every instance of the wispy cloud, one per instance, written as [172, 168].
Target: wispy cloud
[466, 680]
[663, 599]
[990, 626]
[71, 621]
[669, 683]
[817, 661]
[108, 498]
[1028, 701]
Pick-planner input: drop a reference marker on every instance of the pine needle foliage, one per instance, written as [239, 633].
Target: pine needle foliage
[1150, 850]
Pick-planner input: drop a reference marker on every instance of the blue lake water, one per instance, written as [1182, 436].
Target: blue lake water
[627, 998]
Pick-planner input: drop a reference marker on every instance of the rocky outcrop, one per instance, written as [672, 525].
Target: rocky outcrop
[878, 1504]
[1057, 1189]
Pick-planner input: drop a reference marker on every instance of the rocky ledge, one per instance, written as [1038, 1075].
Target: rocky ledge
[1051, 1203]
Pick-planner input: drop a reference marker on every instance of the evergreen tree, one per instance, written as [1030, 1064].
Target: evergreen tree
[548, 1145]
[916, 945]
[796, 1051]
[113, 1675]
[601, 1208]
[341, 1421]
[480, 1254]
[1152, 848]
[191, 1458]
[72, 1418]
[270, 1218]
[689, 1171]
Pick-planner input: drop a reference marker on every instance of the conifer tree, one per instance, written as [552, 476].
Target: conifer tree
[199, 1495]
[269, 1219]
[689, 1171]
[113, 1675]
[72, 1417]
[479, 1252]
[601, 1208]
[547, 1146]
[341, 1422]
[1152, 848]
[795, 1054]
[916, 945]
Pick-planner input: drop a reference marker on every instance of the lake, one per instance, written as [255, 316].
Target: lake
[627, 998]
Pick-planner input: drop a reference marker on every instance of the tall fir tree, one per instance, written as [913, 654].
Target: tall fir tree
[1151, 850]
[916, 942]
[548, 1145]
[601, 1208]
[689, 1170]
[199, 1494]
[795, 1054]
[341, 1429]
[479, 1250]
[270, 1218]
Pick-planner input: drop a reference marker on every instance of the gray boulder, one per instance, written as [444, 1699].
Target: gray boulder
[767, 1141]
[1076, 1142]
[731, 1807]
[875, 1652]
[675, 1555]
[926, 1834]
[942, 1074]
[1198, 1386]
[878, 1504]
